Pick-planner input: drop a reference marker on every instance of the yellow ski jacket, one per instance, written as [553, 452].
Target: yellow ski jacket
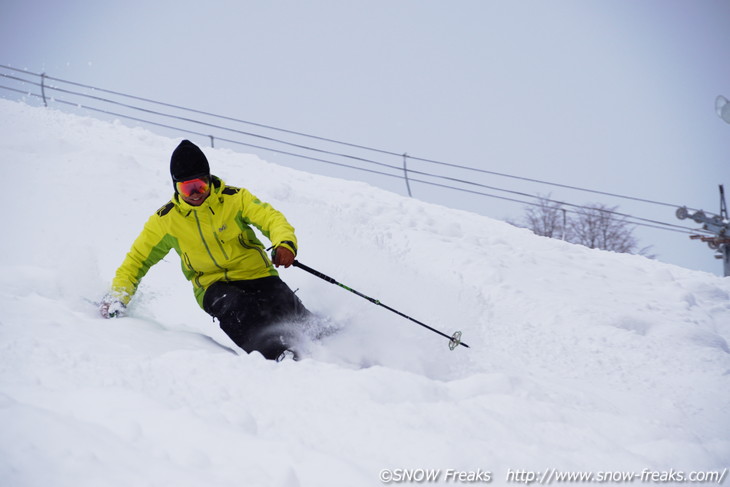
[215, 240]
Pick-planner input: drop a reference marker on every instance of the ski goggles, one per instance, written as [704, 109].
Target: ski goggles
[192, 186]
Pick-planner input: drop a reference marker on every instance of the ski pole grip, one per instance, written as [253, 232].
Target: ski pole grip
[316, 273]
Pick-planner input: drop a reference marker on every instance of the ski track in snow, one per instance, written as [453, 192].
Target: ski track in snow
[579, 359]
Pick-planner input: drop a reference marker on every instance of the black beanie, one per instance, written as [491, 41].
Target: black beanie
[188, 162]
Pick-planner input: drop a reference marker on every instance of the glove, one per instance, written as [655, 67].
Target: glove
[110, 307]
[282, 256]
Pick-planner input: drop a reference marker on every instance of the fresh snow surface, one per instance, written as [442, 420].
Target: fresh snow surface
[580, 360]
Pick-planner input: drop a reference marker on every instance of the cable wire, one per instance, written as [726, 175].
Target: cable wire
[334, 141]
[635, 220]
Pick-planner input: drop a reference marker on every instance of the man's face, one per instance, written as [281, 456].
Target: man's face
[194, 191]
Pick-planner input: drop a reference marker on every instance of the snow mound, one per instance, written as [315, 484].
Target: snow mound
[579, 359]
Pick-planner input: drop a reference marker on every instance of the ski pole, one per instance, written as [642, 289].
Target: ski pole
[454, 340]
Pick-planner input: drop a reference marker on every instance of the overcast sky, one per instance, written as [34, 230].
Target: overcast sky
[616, 96]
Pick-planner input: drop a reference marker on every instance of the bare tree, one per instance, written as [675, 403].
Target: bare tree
[596, 226]
[547, 218]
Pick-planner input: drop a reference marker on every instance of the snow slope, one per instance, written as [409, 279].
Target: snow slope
[580, 360]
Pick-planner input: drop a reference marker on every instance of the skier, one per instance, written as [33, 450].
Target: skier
[208, 223]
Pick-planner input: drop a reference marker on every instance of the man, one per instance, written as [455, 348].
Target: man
[209, 224]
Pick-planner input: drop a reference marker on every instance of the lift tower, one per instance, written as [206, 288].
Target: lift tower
[719, 225]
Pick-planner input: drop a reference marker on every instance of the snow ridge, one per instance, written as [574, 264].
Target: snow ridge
[579, 359]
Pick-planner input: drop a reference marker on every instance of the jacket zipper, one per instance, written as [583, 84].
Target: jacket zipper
[196, 279]
[215, 234]
[205, 244]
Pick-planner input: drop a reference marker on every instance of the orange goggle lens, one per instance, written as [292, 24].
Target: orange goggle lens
[191, 187]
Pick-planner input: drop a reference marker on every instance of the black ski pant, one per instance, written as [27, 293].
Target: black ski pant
[258, 315]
